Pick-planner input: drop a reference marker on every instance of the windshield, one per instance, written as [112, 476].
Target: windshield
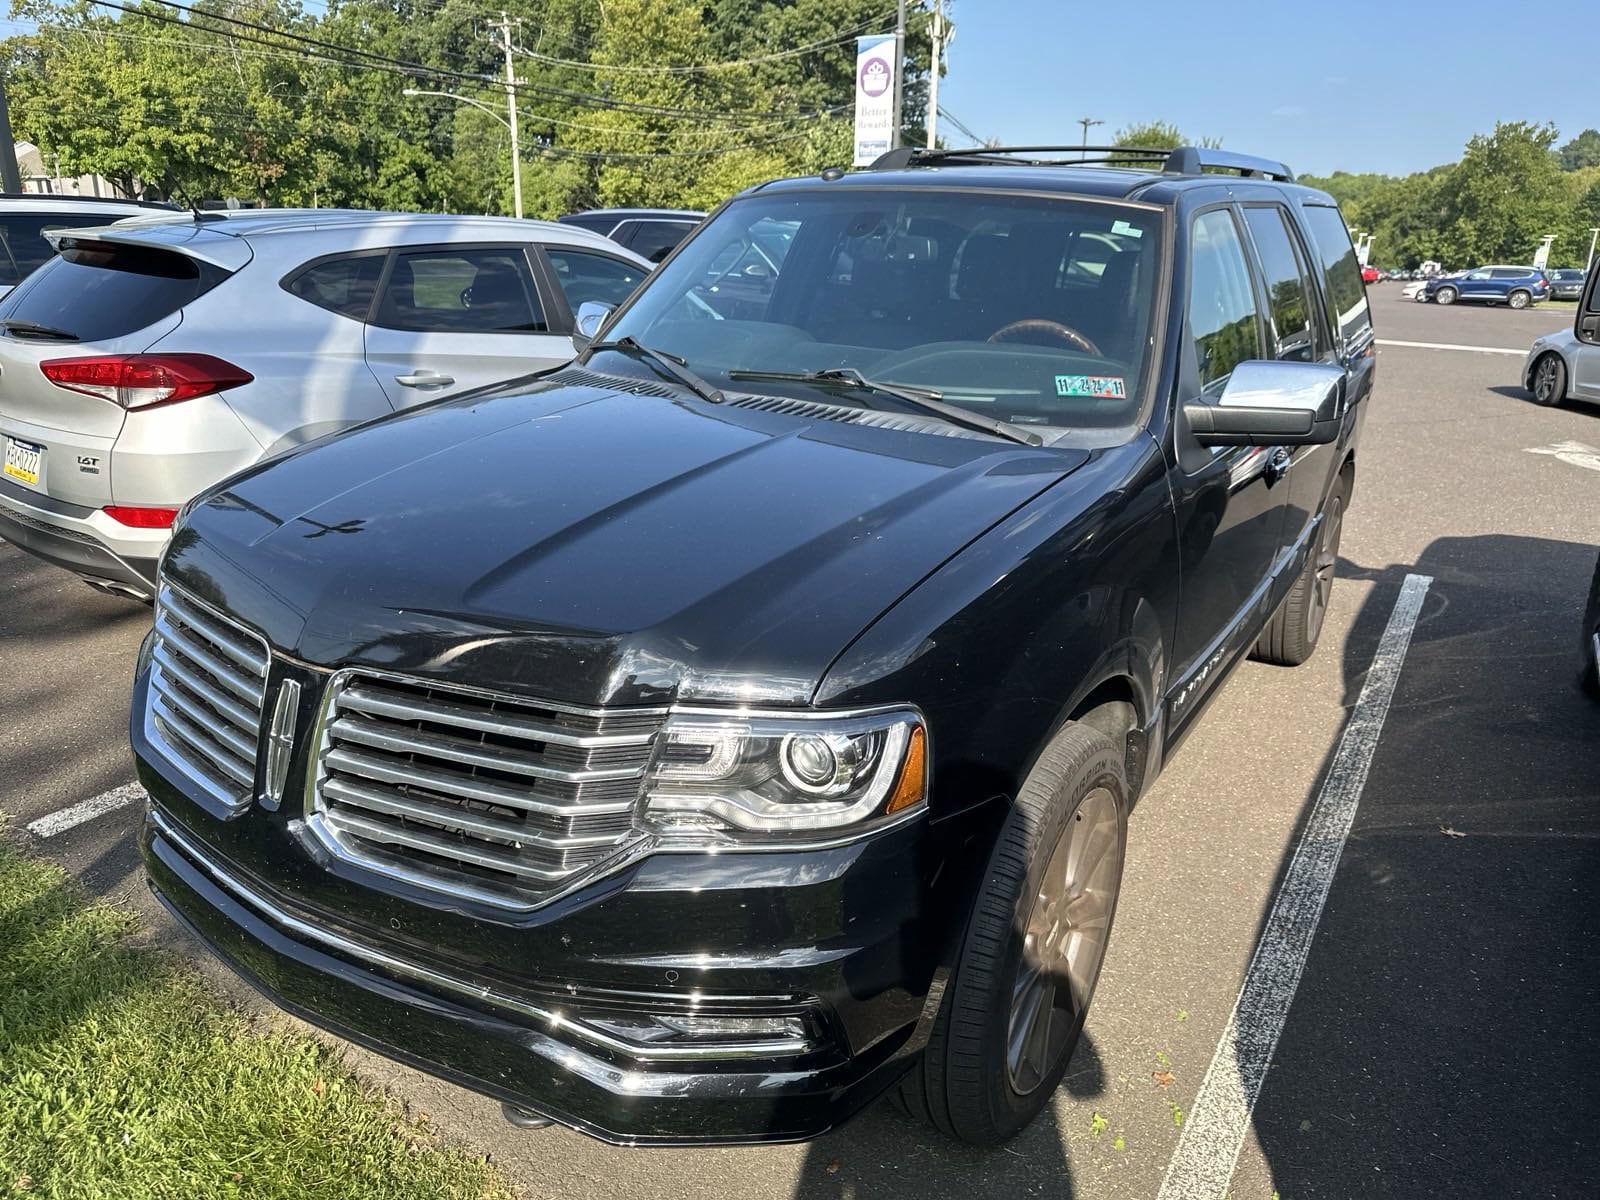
[1032, 310]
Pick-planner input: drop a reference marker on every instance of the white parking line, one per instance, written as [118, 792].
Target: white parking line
[1574, 454]
[59, 822]
[1202, 1165]
[1523, 353]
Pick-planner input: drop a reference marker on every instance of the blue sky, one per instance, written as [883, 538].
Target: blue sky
[1354, 85]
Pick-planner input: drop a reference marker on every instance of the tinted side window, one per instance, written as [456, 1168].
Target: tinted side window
[1510, 273]
[1288, 290]
[341, 285]
[1347, 298]
[470, 290]
[98, 290]
[584, 276]
[657, 239]
[1222, 304]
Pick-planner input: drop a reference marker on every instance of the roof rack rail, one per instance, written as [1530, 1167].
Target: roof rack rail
[1180, 160]
[1192, 160]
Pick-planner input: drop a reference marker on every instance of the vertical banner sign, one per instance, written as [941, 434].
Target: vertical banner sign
[875, 115]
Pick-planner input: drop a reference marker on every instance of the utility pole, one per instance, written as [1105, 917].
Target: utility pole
[899, 137]
[1594, 232]
[505, 25]
[939, 29]
[1087, 122]
[10, 177]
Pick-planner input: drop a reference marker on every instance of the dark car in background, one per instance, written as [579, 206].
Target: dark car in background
[1566, 283]
[651, 233]
[25, 218]
[1515, 287]
[695, 742]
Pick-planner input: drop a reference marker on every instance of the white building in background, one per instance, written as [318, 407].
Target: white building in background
[41, 172]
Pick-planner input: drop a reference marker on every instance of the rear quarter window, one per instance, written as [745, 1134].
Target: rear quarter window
[1347, 297]
[103, 290]
[344, 285]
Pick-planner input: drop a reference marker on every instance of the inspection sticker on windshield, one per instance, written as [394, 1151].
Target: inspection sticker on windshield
[1123, 229]
[1105, 387]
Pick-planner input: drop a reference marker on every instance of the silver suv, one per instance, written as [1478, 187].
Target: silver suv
[152, 358]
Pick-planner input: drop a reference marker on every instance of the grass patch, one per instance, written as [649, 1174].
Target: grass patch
[122, 1076]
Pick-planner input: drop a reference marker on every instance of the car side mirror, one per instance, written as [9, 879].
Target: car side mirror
[1273, 404]
[591, 315]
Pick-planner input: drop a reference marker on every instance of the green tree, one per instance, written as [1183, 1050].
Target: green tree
[1504, 195]
[1582, 151]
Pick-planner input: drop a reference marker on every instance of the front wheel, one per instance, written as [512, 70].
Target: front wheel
[1519, 299]
[1290, 638]
[1446, 295]
[1034, 945]
[1550, 381]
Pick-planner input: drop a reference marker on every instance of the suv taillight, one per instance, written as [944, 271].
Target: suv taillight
[144, 380]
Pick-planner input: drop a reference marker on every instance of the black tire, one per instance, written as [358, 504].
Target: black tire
[1591, 638]
[964, 1085]
[1549, 380]
[1445, 295]
[1519, 299]
[1290, 638]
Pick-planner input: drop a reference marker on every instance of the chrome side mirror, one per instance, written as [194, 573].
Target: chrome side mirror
[1273, 404]
[591, 315]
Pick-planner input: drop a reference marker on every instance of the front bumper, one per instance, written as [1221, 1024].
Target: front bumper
[69, 536]
[513, 1043]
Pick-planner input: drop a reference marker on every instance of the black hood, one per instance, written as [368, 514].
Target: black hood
[588, 544]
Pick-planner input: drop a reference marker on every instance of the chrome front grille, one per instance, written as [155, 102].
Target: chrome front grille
[470, 793]
[208, 677]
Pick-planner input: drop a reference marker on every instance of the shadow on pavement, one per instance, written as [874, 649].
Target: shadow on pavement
[1449, 1014]
[885, 1155]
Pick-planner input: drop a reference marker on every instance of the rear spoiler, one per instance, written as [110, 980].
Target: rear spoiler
[178, 233]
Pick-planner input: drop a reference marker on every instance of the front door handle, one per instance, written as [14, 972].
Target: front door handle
[1278, 464]
[424, 379]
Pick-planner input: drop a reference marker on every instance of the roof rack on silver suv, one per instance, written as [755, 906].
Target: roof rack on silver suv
[1180, 160]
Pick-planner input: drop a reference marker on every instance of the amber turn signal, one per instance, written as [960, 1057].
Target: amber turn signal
[912, 786]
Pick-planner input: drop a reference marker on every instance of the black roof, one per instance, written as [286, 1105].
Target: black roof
[1101, 171]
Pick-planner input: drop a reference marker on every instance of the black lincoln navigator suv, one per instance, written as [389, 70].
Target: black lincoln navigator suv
[698, 741]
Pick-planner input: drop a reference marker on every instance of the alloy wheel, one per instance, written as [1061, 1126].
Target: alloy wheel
[1064, 941]
[1544, 380]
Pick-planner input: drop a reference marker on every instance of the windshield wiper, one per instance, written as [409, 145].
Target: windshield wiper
[922, 399]
[34, 329]
[667, 364]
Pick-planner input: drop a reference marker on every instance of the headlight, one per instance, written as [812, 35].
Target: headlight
[738, 779]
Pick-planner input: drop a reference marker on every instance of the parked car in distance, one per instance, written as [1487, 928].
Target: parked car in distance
[154, 357]
[1371, 274]
[652, 233]
[25, 218]
[1515, 287]
[697, 742]
[1565, 365]
[1566, 283]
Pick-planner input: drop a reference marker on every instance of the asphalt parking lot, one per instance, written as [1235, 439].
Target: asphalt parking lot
[1444, 1016]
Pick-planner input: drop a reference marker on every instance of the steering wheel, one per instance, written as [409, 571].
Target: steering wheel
[1054, 328]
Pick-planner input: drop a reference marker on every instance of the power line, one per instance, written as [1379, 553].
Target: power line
[583, 99]
[286, 55]
[701, 68]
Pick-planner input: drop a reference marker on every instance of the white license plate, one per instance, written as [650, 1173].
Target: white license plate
[24, 461]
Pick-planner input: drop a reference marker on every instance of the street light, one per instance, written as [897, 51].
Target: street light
[1594, 232]
[516, 158]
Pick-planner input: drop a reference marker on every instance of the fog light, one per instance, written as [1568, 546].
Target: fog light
[684, 1034]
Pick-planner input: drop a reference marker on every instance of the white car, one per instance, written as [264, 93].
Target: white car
[154, 357]
[27, 219]
[1565, 365]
